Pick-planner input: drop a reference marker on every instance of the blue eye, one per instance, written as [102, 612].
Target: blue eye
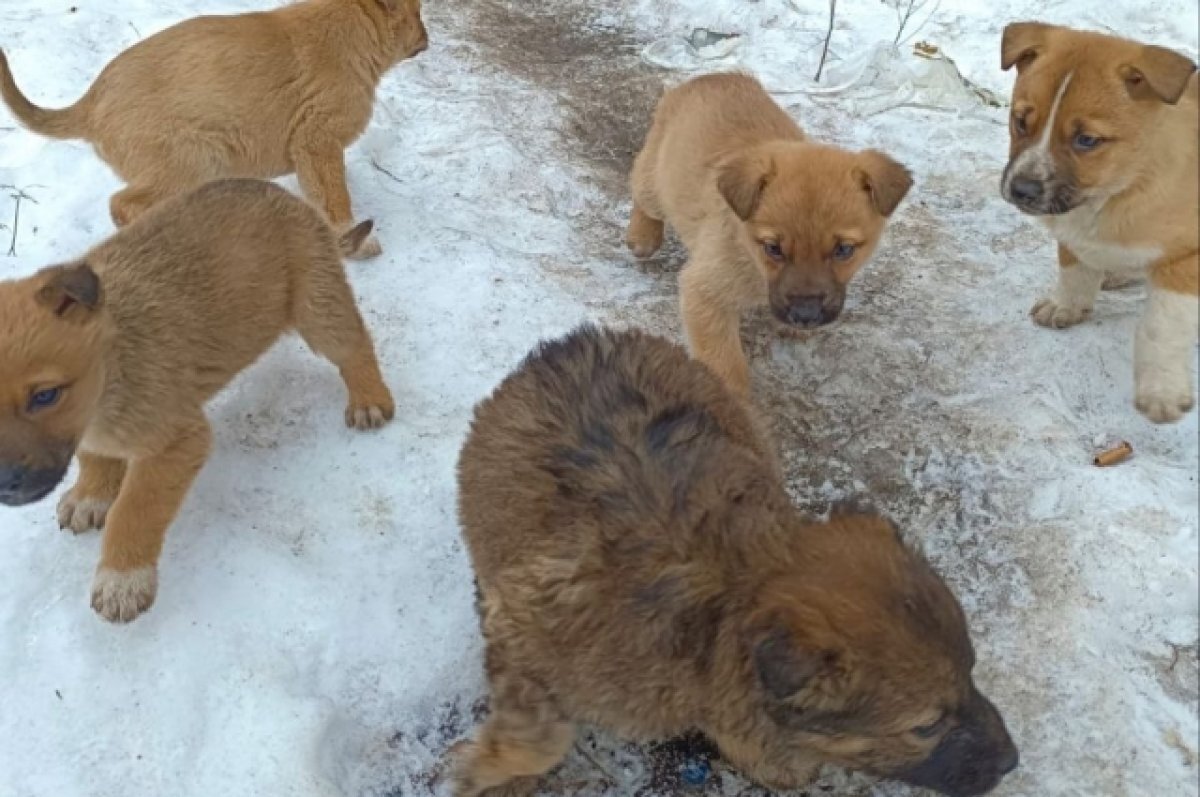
[843, 251]
[45, 398]
[1085, 143]
[773, 250]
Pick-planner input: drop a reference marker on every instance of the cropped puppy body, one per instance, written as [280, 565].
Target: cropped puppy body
[1104, 151]
[766, 214]
[640, 568]
[251, 95]
[113, 356]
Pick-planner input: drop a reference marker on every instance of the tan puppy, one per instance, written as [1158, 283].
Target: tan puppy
[640, 567]
[252, 95]
[1104, 150]
[765, 213]
[114, 355]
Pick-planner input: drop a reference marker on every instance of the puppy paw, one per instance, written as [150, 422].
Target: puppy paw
[370, 247]
[1162, 402]
[120, 596]
[644, 236]
[1049, 313]
[82, 513]
[365, 413]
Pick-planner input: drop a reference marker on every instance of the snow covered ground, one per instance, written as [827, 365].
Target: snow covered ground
[314, 633]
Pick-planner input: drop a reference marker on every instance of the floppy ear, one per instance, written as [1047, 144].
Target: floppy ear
[71, 291]
[1021, 43]
[1158, 72]
[884, 179]
[741, 180]
[783, 668]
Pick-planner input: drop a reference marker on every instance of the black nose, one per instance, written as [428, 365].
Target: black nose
[1009, 761]
[1026, 190]
[20, 484]
[12, 479]
[805, 310]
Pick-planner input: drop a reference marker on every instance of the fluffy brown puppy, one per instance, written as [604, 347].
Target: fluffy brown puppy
[251, 95]
[765, 213]
[1105, 151]
[114, 355]
[640, 567]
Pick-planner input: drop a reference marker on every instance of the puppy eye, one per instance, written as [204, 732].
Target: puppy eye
[843, 251]
[1020, 124]
[1085, 143]
[773, 250]
[932, 729]
[42, 399]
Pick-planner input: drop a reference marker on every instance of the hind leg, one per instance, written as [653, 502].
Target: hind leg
[328, 320]
[524, 737]
[134, 200]
[645, 233]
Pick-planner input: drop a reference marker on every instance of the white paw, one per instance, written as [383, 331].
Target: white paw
[370, 247]
[121, 596]
[1049, 313]
[1164, 400]
[83, 514]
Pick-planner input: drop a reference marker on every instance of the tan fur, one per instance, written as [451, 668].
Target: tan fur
[641, 568]
[1128, 206]
[251, 95]
[730, 171]
[138, 334]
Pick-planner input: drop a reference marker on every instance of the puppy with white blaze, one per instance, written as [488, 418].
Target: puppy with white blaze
[1104, 152]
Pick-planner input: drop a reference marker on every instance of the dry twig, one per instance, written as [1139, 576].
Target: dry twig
[828, 36]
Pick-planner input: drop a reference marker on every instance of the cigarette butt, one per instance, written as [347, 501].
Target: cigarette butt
[1112, 456]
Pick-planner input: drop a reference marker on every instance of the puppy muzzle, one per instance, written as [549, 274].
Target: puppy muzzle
[20, 484]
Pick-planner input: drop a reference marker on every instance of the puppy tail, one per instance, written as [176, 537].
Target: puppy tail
[350, 241]
[65, 123]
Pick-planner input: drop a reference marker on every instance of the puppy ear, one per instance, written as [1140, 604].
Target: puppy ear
[742, 179]
[884, 179]
[1158, 73]
[1021, 43]
[71, 291]
[783, 668]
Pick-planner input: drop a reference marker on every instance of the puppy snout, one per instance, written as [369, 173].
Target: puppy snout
[1027, 189]
[1009, 760]
[20, 484]
[807, 311]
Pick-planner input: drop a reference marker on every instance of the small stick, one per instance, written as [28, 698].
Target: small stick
[18, 194]
[1112, 456]
[379, 168]
[828, 36]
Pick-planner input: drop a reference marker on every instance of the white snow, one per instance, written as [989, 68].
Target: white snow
[314, 631]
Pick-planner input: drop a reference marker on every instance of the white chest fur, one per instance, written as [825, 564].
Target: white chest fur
[1080, 232]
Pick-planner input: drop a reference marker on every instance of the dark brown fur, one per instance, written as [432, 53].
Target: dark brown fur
[641, 568]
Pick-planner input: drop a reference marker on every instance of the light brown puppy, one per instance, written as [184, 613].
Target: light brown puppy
[765, 213]
[1104, 150]
[114, 355]
[640, 567]
[251, 95]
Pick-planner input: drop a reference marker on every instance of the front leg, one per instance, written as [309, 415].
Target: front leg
[776, 770]
[321, 169]
[85, 506]
[151, 494]
[1166, 341]
[711, 324]
[1078, 286]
